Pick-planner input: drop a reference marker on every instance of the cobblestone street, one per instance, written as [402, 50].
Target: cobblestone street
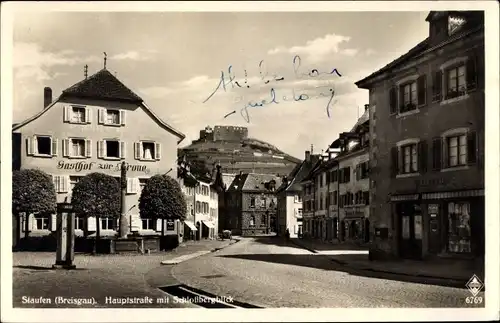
[268, 272]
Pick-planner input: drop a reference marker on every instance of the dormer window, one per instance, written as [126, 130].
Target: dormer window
[454, 24]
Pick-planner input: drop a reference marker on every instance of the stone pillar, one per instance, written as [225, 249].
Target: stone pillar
[65, 252]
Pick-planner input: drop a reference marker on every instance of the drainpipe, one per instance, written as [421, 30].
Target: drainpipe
[338, 202]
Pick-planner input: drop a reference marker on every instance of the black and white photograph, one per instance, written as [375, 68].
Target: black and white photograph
[291, 161]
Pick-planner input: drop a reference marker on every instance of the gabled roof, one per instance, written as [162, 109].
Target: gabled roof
[417, 49]
[112, 92]
[315, 165]
[302, 172]
[256, 182]
[102, 85]
[228, 180]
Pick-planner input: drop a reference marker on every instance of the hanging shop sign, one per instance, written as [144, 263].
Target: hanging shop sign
[93, 166]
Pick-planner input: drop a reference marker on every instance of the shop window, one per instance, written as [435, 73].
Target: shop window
[79, 223]
[252, 221]
[459, 231]
[147, 224]
[107, 224]
[42, 221]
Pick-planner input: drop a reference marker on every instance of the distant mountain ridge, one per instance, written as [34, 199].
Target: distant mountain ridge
[231, 147]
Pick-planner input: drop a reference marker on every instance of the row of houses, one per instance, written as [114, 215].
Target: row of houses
[408, 178]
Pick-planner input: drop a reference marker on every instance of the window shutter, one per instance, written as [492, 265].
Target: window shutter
[137, 150]
[437, 80]
[444, 153]
[88, 115]
[137, 185]
[158, 224]
[393, 100]
[471, 73]
[422, 156]
[66, 113]
[65, 180]
[30, 143]
[157, 151]
[91, 224]
[53, 222]
[54, 146]
[395, 161]
[122, 117]
[55, 181]
[401, 97]
[88, 148]
[101, 116]
[66, 147]
[422, 90]
[123, 151]
[471, 148]
[31, 222]
[436, 153]
[99, 148]
[129, 185]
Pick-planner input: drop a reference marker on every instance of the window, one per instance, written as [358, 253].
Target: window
[300, 212]
[147, 224]
[42, 221]
[77, 148]
[112, 117]
[263, 220]
[457, 150]
[147, 150]
[454, 24]
[252, 202]
[111, 148]
[299, 198]
[409, 97]
[252, 221]
[456, 82]
[43, 145]
[334, 198]
[79, 223]
[142, 183]
[459, 231]
[107, 224]
[263, 202]
[78, 115]
[72, 182]
[409, 158]
[198, 207]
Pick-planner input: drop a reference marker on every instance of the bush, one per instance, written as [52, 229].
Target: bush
[98, 195]
[162, 198]
[32, 192]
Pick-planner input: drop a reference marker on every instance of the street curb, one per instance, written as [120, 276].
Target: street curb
[303, 247]
[196, 254]
[461, 281]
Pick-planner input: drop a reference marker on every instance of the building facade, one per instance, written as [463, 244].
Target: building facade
[252, 204]
[427, 171]
[94, 126]
[289, 197]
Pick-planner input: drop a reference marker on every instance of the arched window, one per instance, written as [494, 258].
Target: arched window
[252, 221]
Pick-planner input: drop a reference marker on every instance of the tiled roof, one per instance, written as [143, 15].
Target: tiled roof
[303, 172]
[102, 85]
[256, 182]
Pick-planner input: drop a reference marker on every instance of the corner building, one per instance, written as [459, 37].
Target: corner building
[94, 126]
[427, 144]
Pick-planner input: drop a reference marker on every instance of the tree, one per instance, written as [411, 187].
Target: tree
[32, 192]
[96, 195]
[162, 198]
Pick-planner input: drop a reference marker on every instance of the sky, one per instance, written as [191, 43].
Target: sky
[175, 62]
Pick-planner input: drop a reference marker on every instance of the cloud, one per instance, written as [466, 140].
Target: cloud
[318, 49]
[133, 56]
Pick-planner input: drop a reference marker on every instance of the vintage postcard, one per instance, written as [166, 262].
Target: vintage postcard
[250, 161]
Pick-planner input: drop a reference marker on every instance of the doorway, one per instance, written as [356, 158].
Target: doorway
[410, 230]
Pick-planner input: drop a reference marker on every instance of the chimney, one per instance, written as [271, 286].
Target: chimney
[47, 97]
[308, 155]
[367, 106]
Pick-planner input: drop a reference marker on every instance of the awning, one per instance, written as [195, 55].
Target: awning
[208, 224]
[450, 195]
[191, 225]
[407, 197]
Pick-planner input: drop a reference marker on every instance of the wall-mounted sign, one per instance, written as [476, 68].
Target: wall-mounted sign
[114, 167]
[429, 182]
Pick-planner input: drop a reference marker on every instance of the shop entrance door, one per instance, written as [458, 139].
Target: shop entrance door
[410, 233]
[434, 229]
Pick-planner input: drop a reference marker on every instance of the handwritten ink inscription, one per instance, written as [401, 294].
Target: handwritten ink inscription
[83, 166]
[229, 80]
